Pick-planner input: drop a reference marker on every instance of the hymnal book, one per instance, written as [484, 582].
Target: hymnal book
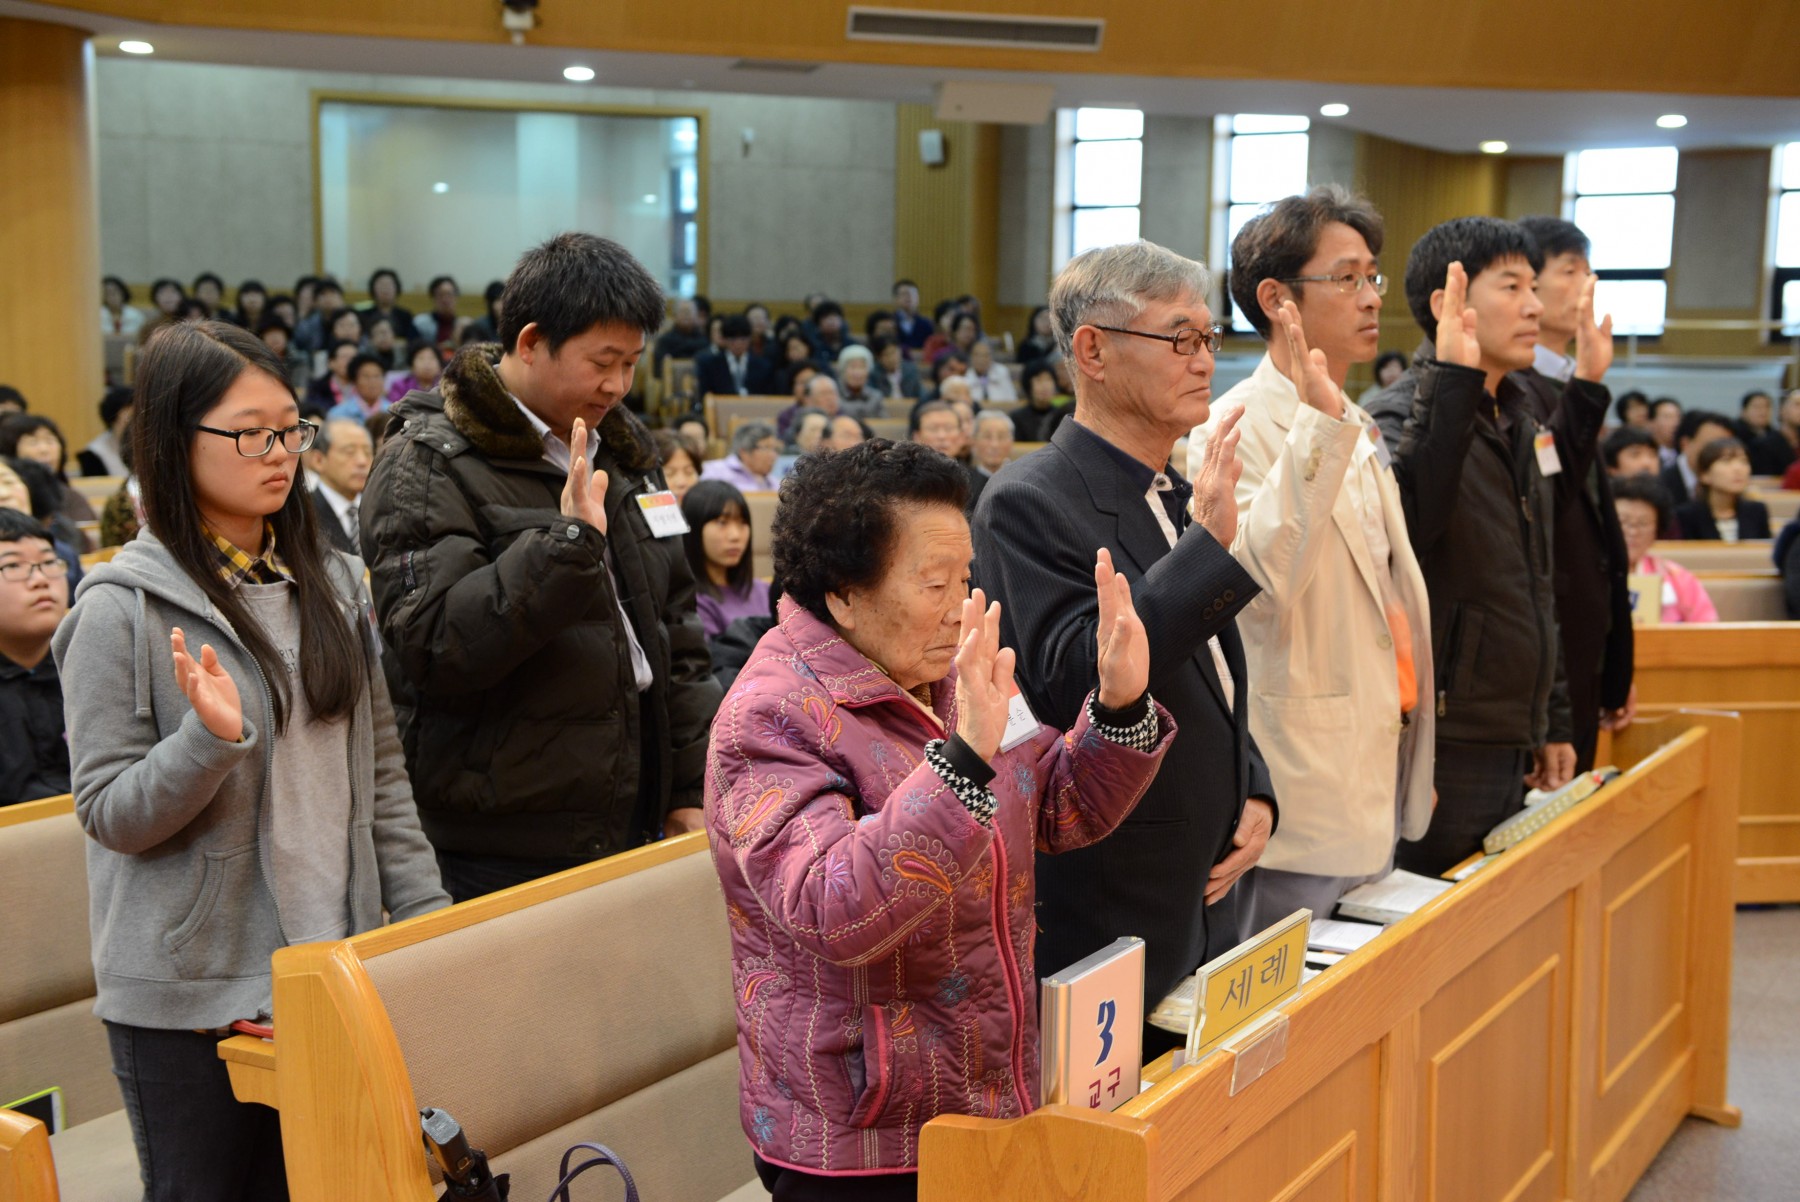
[1331, 935]
[1541, 809]
[1093, 1028]
[1392, 898]
[46, 1106]
[1175, 1013]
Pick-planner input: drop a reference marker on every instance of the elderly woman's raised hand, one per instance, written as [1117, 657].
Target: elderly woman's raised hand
[1124, 645]
[984, 677]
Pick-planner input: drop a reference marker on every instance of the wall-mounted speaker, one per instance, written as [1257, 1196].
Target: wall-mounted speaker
[931, 147]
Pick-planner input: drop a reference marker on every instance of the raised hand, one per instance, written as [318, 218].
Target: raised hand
[1308, 370]
[1215, 484]
[1124, 646]
[1593, 342]
[1456, 324]
[208, 688]
[584, 496]
[984, 677]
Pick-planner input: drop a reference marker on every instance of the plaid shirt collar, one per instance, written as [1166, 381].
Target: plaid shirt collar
[237, 566]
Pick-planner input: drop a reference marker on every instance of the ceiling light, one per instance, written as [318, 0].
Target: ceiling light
[1494, 147]
[1334, 110]
[649, 198]
[440, 187]
[578, 74]
[133, 46]
[1671, 121]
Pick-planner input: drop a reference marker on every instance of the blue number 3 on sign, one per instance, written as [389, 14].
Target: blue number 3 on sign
[1109, 1010]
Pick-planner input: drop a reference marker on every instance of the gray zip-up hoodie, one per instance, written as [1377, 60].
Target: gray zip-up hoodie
[182, 907]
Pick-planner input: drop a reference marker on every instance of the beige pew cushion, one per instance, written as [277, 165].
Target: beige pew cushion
[96, 1162]
[1747, 599]
[65, 1046]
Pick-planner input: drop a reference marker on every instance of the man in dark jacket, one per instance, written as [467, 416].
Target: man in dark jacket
[733, 370]
[34, 596]
[554, 688]
[1475, 470]
[1593, 604]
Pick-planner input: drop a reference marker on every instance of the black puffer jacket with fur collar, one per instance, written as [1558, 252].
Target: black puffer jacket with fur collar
[525, 735]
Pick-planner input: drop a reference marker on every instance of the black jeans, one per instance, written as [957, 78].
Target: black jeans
[467, 877]
[791, 1185]
[1478, 788]
[195, 1141]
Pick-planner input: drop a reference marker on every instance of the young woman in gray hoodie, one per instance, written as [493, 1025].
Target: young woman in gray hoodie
[234, 753]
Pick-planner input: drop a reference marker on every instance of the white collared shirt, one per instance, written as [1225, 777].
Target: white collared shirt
[1160, 512]
[557, 455]
[1556, 365]
[343, 507]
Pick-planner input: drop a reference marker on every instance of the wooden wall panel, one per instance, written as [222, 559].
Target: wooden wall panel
[1415, 189]
[946, 218]
[49, 228]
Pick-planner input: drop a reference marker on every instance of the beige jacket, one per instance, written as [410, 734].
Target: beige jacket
[1324, 693]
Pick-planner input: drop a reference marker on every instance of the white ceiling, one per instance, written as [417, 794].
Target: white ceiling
[1442, 118]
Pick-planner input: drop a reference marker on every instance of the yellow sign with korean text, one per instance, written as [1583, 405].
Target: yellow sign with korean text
[1253, 978]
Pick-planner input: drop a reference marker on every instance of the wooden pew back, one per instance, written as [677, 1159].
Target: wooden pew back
[48, 1032]
[1752, 669]
[593, 1005]
[1708, 556]
[1537, 1032]
[762, 531]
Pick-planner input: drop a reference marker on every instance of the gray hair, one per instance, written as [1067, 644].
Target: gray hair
[807, 392]
[1111, 284]
[322, 440]
[856, 351]
[749, 434]
[994, 415]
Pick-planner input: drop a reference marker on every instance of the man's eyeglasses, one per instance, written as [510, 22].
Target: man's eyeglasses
[1350, 283]
[257, 441]
[1184, 342]
[18, 570]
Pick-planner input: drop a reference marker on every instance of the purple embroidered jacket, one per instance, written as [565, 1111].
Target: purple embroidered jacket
[881, 937]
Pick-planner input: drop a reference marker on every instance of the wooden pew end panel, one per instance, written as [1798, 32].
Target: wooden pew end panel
[1078, 1153]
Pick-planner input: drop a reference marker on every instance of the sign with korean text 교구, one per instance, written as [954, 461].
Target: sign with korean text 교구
[1253, 978]
[1093, 1028]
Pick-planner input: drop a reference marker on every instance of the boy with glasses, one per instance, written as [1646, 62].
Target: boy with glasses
[34, 596]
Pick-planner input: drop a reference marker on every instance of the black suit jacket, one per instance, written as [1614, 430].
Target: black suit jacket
[714, 372]
[328, 522]
[1695, 520]
[1036, 532]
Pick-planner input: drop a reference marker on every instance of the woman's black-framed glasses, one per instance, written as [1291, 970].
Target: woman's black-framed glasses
[257, 441]
[1350, 283]
[1184, 342]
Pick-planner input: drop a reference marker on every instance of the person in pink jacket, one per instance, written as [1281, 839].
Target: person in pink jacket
[1644, 507]
[875, 792]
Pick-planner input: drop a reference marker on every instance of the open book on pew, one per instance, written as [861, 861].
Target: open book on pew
[1392, 898]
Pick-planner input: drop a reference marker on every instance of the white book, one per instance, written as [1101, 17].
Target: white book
[1392, 898]
[1330, 935]
[1092, 1028]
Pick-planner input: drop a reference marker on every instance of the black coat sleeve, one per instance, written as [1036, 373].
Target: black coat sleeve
[1434, 444]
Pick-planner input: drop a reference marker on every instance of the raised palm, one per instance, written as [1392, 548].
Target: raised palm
[1123, 644]
[209, 688]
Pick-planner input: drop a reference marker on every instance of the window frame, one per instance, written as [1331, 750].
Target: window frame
[1572, 194]
[1779, 276]
[1066, 207]
[1225, 139]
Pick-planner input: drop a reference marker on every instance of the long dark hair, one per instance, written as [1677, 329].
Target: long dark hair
[706, 501]
[183, 373]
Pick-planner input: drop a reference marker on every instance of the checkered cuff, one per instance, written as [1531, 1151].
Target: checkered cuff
[977, 798]
[1141, 735]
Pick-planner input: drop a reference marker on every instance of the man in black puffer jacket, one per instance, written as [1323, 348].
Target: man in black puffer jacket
[550, 675]
[1474, 470]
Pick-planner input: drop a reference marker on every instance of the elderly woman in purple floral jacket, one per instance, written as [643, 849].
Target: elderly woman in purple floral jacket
[874, 815]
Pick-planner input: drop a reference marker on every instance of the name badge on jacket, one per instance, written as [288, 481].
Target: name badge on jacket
[1021, 724]
[663, 512]
[1549, 463]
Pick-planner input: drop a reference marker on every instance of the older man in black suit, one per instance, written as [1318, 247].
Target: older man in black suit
[1134, 322]
[339, 464]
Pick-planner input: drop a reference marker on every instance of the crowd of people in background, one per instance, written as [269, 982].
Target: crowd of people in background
[584, 656]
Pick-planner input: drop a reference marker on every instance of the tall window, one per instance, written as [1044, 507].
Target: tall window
[1263, 159]
[1787, 239]
[1624, 201]
[1100, 179]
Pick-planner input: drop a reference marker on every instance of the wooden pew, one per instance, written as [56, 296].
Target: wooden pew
[1784, 506]
[1709, 556]
[1752, 669]
[1746, 596]
[1537, 1032]
[48, 1032]
[720, 410]
[762, 531]
[596, 1004]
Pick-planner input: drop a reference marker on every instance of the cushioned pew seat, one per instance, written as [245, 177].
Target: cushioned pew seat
[95, 1161]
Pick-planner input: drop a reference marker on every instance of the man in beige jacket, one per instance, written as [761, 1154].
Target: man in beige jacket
[1339, 640]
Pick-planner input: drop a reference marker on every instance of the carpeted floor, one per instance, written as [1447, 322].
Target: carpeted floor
[1760, 1161]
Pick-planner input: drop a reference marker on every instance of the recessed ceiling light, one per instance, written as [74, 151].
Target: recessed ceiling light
[1334, 110]
[1494, 147]
[1671, 121]
[134, 46]
[578, 74]
[440, 187]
